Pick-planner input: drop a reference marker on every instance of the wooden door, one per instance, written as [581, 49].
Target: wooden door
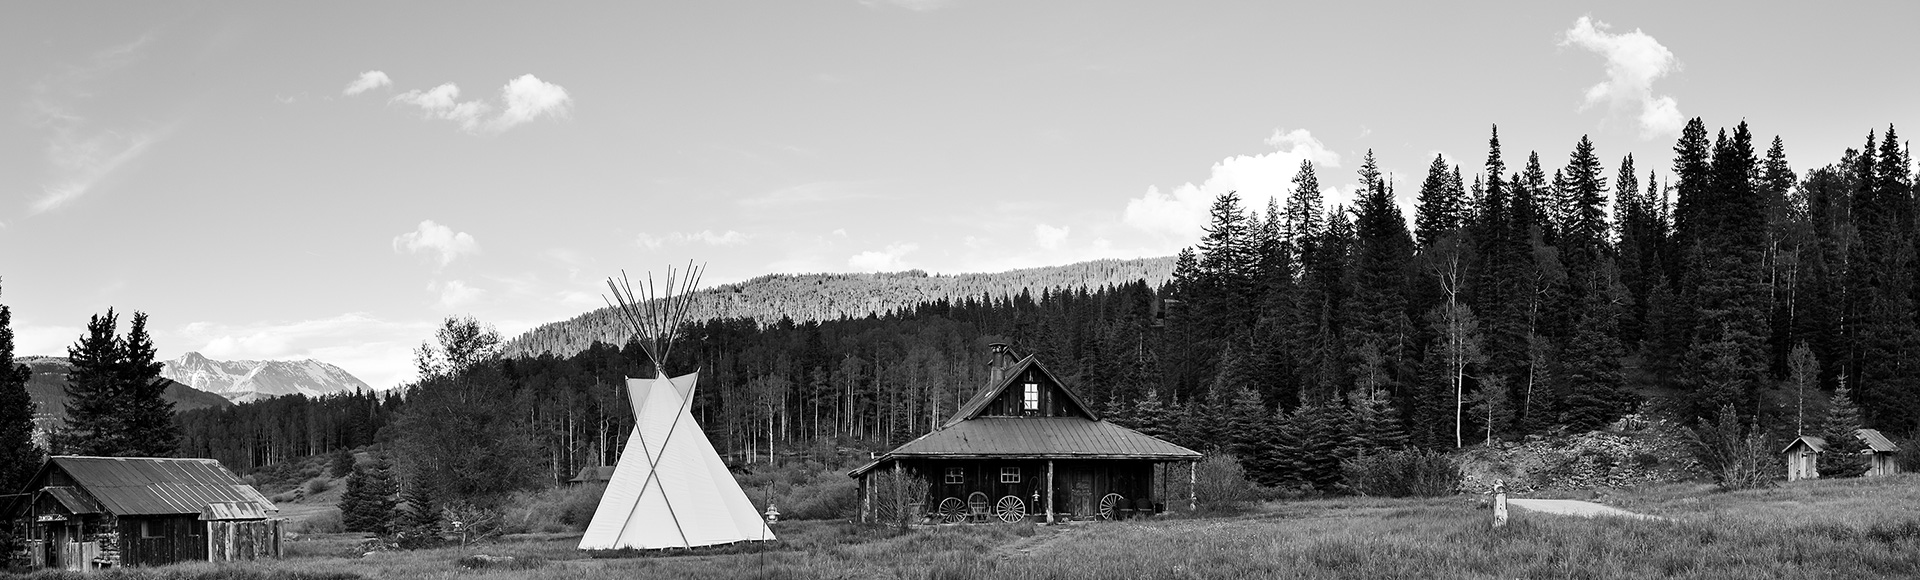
[1080, 495]
[56, 535]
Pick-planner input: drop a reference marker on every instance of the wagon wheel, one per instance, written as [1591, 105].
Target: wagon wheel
[1010, 509]
[952, 510]
[1109, 505]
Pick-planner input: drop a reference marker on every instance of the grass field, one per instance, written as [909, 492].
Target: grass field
[1865, 528]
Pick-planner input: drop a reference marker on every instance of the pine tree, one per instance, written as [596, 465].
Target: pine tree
[94, 426]
[146, 413]
[1375, 424]
[368, 503]
[1440, 210]
[1304, 220]
[1842, 457]
[19, 456]
[341, 464]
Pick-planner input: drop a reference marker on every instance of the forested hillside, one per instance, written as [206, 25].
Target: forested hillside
[821, 297]
[48, 384]
[1521, 301]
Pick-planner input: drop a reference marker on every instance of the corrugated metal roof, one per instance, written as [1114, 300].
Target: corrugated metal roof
[1878, 442]
[72, 499]
[1815, 443]
[156, 486]
[236, 510]
[1038, 437]
[985, 395]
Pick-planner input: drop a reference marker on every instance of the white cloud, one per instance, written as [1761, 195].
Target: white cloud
[379, 352]
[1181, 213]
[44, 340]
[1050, 237]
[882, 260]
[455, 294]
[436, 239]
[526, 98]
[708, 237]
[1634, 61]
[368, 81]
[85, 162]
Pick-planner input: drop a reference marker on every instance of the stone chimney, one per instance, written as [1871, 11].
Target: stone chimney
[997, 362]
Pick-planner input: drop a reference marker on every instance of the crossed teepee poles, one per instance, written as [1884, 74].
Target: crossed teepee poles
[678, 494]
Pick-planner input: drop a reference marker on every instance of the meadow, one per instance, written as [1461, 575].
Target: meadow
[1860, 528]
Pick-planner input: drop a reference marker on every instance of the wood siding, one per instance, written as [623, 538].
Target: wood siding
[1011, 402]
[181, 538]
[230, 541]
[1078, 485]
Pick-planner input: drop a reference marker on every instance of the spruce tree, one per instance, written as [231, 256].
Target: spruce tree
[94, 424]
[145, 412]
[19, 456]
[1842, 457]
[1440, 206]
[368, 503]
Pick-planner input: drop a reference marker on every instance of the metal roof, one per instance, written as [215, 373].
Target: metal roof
[237, 510]
[1038, 438]
[1875, 440]
[1011, 375]
[156, 486]
[1815, 443]
[72, 499]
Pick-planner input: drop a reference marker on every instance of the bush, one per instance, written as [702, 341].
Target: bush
[1403, 473]
[1219, 482]
[316, 486]
[327, 522]
[552, 510]
[1738, 458]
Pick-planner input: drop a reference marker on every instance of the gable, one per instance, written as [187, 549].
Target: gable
[148, 486]
[1010, 396]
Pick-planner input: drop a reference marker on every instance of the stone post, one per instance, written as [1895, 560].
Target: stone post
[1499, 504]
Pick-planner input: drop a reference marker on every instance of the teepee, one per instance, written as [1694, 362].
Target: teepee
[669, 488]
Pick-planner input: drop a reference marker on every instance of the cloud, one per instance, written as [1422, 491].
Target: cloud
[1050, 237]
[818, 192]
[455, 294]
[1181, 213]
[1634, 61]
[81, 153]
[437, 239]
[368, 81]
[883, 260]
[377, 351]
[708, 237]
[44, 340]
[526, 98]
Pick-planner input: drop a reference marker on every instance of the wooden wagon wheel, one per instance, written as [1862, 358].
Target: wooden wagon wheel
[1109, 506]
[952, 510]
[1010, 509]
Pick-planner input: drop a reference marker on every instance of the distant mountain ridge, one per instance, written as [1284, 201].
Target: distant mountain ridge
[251, 380]
[818, 297]
[48, 388]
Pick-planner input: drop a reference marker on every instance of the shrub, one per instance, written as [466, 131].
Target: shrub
[327, 522]
[552, 510]
[1403, 473]
[1220, 482]
[1738, 458]
[316, 485]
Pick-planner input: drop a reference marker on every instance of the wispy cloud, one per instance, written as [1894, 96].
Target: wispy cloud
[525, 99]
[708, 237]
[1181, 213]
[455, 294]
[889, 259]
[1050, 237]
[437, 240]
[83, 154]
[1634, 61]
[368, 81]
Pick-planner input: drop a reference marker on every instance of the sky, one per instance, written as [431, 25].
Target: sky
[329, 180]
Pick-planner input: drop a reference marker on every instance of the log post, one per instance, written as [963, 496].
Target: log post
[1193, 482]
[866, 498]
[899, 503]
[1049, 491]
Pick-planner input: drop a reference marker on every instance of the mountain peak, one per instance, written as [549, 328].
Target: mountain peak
[259, 379]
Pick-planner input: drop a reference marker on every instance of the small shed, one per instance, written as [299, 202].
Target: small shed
[81, 513]
[1803, 454]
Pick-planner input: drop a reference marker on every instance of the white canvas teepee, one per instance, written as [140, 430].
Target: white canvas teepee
[669, 489]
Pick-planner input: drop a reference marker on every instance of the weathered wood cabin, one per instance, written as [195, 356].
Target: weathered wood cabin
[1027, 445]
[82, 513]
[1803, 455]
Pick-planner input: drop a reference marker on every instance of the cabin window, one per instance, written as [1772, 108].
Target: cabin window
[956, 475]
[1009, 475]
[148, 530]
[1031, 401]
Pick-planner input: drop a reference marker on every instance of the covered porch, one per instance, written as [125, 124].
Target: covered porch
[988, 489]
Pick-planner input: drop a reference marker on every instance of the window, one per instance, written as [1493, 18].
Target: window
[1032, 400]
[956, 475]
[148, 529]
[1009, 475]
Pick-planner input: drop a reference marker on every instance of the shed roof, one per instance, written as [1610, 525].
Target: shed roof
[591, 474]
[73, 500]
[1036, 438]
[1811, 442]
[1875, 440]
[155, 486]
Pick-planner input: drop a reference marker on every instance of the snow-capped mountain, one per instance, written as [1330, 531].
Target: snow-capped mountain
[248, 380]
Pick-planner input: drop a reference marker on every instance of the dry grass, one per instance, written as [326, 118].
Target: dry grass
[1835, 529]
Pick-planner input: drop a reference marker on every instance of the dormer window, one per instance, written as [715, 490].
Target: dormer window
[1030, 401]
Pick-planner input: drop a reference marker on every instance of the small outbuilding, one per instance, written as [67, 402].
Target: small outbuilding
[600, 475]
[1803, 455]
[82, 513]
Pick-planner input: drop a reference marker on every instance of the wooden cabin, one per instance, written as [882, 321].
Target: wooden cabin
[600, 475]
[1027, 446]
[1803, 455]
[83, 513]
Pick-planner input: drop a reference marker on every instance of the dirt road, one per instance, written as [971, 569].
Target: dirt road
[1574, 507]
